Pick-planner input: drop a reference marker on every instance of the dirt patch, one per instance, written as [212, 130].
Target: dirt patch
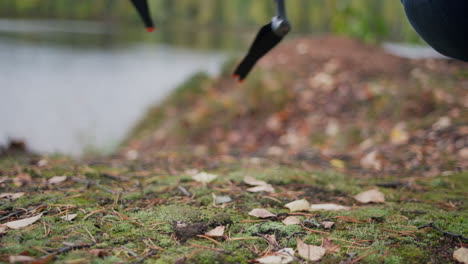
[185, 231]
[351, 104]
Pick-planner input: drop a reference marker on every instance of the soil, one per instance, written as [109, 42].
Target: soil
[328, 98]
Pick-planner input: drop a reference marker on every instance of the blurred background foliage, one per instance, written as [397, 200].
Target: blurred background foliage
[370, 20]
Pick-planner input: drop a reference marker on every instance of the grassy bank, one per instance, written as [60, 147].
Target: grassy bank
[125, 213]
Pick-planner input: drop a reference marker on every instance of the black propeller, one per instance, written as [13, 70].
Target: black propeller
[143, 9]
[267, 38]
[265, 41]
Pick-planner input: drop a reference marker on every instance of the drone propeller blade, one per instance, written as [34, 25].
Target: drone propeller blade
[265, 41]
[144, 12]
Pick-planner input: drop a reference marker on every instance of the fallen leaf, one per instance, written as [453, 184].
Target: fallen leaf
[371, 196]
[3, 229]
[291, 220]
[370, 161]
[329, 207]
[21, 259]
[254, 182]
[261, 213]
[204, 177]
[23, 222]
[99, 252]
[223, 199]
[309, 252]
[399, 134]
[12, 196]
[262, 188]
[69, 217]
[329, 246]
[461, 255]
[299, 205]
[282, 256]
[327, 224]
[57, 179]
[22, 179]
[217, 232]
[339, 164]
[442, 123]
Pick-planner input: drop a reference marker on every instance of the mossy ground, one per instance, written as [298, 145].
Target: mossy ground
[129, 206]
[139, 215]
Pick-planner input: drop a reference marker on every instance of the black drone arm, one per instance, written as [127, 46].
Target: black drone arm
[267, 38]
[144, 12]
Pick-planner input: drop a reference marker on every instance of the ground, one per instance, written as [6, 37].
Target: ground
[321, 119]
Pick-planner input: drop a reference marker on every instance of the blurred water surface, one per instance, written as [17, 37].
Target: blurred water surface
[73, 86]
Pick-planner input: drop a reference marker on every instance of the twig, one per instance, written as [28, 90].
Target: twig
[293, 234]
[210, 239]
[69, 248]
[184, 191]
[315, 231]
[115, 178]
[205, 247]
[363, 257]
[448, 234]
[130, 251]
[90, 182]
[149, 254]
[30, 210]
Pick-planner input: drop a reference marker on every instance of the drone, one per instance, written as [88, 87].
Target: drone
[448, 38]
[267, 38]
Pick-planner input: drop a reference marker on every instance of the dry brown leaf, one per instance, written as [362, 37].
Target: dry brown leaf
[22, 179]
[262, 188]
[327, 224]
[254, 182]
[282, 256]
[399, 134]
[371, 161]
[21, 259]
[23, 222]
[4, 179]
[299, 205]
[261, 213]
[12, 196]
[329, 246]
[216, 232]
[291, 220]
[57, 179]
[99, 252]
[309, 252]
[204, 177]
[371, 196]
[461, 255]
[339, 164]
[69, 217]
[3, 229]
[328, 207]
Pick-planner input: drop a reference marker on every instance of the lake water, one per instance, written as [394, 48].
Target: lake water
[73, 86]
[61, 90]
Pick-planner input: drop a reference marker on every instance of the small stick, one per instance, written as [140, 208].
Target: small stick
[142, 259]
[69, 248]
[431, 225]
[90, 182]
[210, 239]
[184, 191]
[205, 247]
[365, 256]
[315, 231]
[130, 251]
